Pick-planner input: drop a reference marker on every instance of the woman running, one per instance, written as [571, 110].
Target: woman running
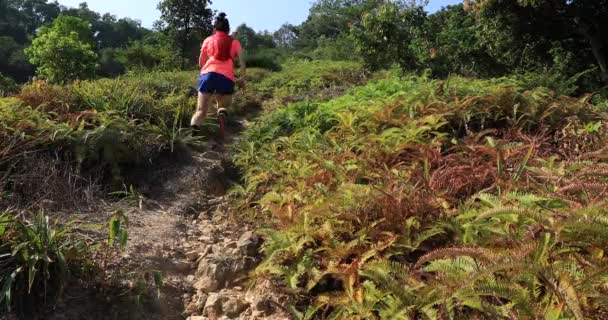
[218, 53]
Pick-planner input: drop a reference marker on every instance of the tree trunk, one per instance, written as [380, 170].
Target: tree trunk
[185, 42]
[597, 47]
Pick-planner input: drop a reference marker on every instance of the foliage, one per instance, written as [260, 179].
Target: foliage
[106, 131]
[20, 19]
[386, 35]
[186, 21]
[413, 198]
[63, 52]
[260, 49]
[37, 257]
[7, 85]
[528, 30]
[301, 79]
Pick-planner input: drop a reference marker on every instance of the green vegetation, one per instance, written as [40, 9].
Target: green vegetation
[64, 51]
[414, 198]
[301, 80]
[96, 128]
[36, 259]
[481, 38]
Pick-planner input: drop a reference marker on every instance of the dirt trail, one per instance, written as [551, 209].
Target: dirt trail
[182, 229]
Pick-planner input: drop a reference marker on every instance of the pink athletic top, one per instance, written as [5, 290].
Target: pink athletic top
[225, 68]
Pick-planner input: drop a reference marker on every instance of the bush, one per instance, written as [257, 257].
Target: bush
[7, 85]
[299, 80]
[99, 130]
[340, 49]
[49, 97]
[64, 52]
[265, 59]
[37, 258]
[111, 63]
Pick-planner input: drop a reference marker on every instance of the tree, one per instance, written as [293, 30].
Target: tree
[449, 43]
[188, 22]
[254, 41]
[286, 36]
[66, 25]
[386, 36]
[63, 52]
[330, 18]
[577, 26]
[19, 19]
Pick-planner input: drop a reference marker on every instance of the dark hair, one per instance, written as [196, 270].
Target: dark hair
[221, 23]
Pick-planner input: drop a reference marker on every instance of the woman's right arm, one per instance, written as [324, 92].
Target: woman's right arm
[242, 65]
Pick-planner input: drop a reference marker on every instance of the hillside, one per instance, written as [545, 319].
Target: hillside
[412, 198]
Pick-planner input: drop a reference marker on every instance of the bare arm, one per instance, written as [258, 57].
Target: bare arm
[242, 65]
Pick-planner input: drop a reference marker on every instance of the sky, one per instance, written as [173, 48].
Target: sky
[258, 14]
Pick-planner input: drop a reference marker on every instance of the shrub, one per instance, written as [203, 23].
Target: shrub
[7, 85]
[37, 257]
[111, 63]
[300, 79]
[49, 97]
[64, 52]
[265, 59]
[108, 132]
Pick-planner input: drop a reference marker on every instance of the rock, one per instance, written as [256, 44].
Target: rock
[230, 244]
[249, 243]
[218, 249]
[206, 284]
[212, 155]
[213, 306]
[207, 251]
[197, 304]
[262, 305]
[200, 302]
[206, 239]
[234, 307]
[193, 255]
[183, 267]
[190, 279]
[213, 274]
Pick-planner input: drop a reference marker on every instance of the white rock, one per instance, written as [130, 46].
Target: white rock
[193, 255]
[234, 307]
[213, 305]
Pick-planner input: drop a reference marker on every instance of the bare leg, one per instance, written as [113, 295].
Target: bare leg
[224, 101]
[201, 110]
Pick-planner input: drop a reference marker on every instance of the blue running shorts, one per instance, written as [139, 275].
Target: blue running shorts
[215, 83]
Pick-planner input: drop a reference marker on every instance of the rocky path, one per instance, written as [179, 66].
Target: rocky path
[205, 253]
[183, 230]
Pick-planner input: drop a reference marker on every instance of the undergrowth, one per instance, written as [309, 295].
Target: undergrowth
[411, 198]
[36, 259]
[99, 132]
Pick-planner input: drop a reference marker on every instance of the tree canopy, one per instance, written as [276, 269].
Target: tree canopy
[188, 21]
[64, 51]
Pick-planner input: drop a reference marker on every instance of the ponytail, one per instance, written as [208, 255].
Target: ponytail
[221, 23]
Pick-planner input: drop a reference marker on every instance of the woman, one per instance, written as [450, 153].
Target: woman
[217, 69]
